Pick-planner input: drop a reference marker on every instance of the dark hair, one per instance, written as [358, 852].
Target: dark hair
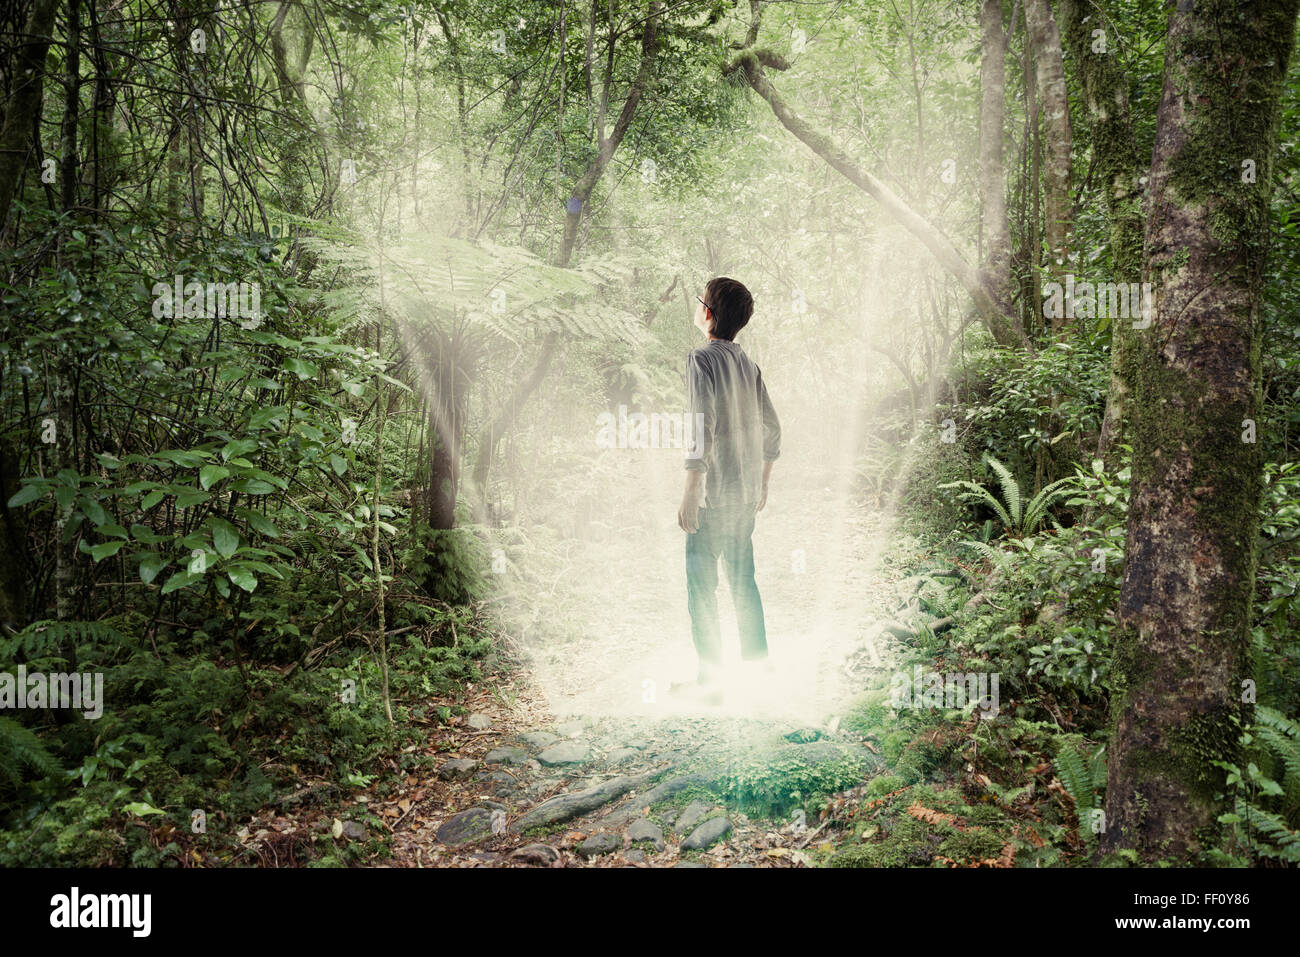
[731, 305]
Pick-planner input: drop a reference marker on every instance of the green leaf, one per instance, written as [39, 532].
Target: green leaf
[140, 809]
[238, 447]
[259, 522]
[339, 463]
[253, 487]
[224, 537]
[152, 499]
[150, 566]
[180, 580]
[104, 550]
[28, 493]
[242, 577]
[209, 475]
[301, 368]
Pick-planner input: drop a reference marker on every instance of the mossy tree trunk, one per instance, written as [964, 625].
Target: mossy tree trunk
[995, 230]
[1183, 646]
[1058, 211]
[1117, 165]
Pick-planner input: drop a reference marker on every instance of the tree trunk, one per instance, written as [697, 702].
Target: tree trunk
[24, 102]
[1117, 162]
[509, 411]
[996, 235]
[1045, 43]
[577, 203]
[1183, 643]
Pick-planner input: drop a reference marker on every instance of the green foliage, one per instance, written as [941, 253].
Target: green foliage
[447, 563]
[772, 784]
[1018, 517]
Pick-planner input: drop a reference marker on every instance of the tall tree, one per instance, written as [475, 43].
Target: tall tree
[995, 234]
[1058, 210]
[1183, 647]
[1093, 46]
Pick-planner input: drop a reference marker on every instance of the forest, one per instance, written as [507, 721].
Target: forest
[344, 372]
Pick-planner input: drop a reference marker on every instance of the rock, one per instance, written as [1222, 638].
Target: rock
[621, 755]
[647, 831]
[537, 740]
[660, 792]
[710, 832]
[597, 844]
[634, 856]
[567, 806]
[740, 865]
[354, 830]
[804, 735]
[457, 769]
[566, 752]
[479, 722]
[506, 756]
[466, 827]
[497, 782]
[570, 729]
[690, 817]
[539, 855]
[690, 864]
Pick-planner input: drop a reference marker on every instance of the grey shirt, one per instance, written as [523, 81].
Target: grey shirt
[735, 427]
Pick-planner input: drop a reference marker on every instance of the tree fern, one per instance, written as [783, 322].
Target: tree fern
[43, 637]
[21, 749]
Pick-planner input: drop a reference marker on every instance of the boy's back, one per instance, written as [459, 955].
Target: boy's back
[740, 429]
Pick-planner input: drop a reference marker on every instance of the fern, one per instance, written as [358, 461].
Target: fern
[20, 748]
[1018, 517]
[44, 637]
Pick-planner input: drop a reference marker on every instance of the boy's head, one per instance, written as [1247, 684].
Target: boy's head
[729, 307]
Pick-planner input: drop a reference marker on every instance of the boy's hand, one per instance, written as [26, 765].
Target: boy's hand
[688, 516]
[762, 498]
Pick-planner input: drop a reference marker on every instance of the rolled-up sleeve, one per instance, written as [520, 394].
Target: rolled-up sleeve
[701, 399]
[771, 424]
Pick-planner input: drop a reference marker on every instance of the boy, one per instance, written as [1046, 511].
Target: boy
[726, 480]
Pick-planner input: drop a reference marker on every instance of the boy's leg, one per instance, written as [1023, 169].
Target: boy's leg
[738, 553]
[702, 597]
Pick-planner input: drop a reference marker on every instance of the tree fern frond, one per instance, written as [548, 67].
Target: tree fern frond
[1010, 491]
[20, 748]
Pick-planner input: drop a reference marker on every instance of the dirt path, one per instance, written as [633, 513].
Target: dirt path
[584, 759]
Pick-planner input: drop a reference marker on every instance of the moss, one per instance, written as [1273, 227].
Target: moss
[972, 844]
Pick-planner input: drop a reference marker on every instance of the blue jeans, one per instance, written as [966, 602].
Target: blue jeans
[723, 533]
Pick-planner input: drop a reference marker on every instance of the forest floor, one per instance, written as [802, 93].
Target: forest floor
[582, 756]
[576, 753]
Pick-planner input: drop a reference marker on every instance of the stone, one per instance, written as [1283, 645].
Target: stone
[354, 830]
[648, 832]
[804, 735]
[466, 827]
[479, 722]
[457, 769]
[597, 844]
[538, 740]
[660, 792]
[497, 782]
[571, 729]
[690, 817]
[710, 832]
[538, 855]
[567, 806]
[506, 756]
[566, 752]
[690, 864]
[634, 856]
[621, 755]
